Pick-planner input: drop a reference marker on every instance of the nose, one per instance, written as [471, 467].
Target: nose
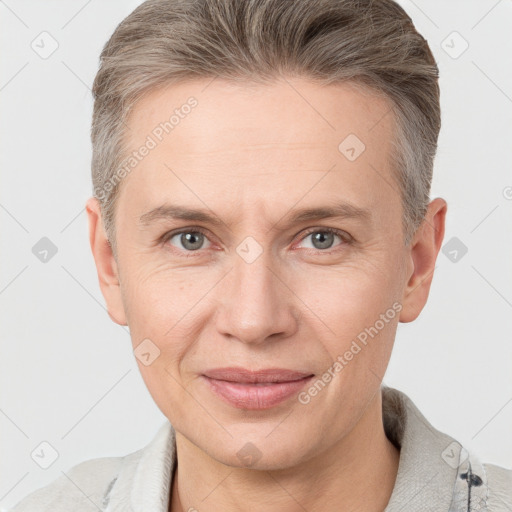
[256, 303]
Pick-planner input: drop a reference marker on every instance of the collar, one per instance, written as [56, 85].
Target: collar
[435, 471]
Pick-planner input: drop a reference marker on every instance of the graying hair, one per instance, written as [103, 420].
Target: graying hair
[371, 43]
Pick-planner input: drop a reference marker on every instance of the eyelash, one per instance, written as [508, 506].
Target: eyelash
[345, 237]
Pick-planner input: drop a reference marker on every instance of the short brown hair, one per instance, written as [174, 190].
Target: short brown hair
[372, 43]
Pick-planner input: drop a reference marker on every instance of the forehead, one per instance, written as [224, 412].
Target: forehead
[262, 113]
[247, 144]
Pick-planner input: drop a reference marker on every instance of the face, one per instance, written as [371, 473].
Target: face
[260, 278]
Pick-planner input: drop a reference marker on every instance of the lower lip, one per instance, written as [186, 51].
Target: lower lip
[256, 396]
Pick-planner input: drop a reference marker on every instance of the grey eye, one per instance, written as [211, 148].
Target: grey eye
[189, 240]
[322, 239]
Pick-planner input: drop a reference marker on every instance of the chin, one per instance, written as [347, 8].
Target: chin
[261, 454]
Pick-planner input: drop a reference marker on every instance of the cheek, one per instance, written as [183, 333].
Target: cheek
[159, 297]
[161, 310]
[349, 296]
[168, 307]
[356, 302]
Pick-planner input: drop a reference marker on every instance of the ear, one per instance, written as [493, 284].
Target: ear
[423, 252]
[106, 265]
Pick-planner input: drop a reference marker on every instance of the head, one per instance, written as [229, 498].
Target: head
[254, 113]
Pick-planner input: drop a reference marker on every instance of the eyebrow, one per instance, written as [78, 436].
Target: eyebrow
[340, 210]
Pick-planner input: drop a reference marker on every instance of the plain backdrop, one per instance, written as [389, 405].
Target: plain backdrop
[68, 376]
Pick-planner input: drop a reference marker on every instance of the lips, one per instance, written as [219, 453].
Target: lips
[256, 389]
[267, 375]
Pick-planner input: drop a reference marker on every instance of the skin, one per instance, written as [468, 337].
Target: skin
[253, 155]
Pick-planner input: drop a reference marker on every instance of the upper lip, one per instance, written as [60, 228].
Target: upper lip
[254, 376]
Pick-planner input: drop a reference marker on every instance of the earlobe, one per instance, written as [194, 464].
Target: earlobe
[422, 258]
[106, 265]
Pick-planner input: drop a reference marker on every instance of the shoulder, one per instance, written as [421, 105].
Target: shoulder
[499, 483]
[461, 476]
[111, 483]
[82, 488]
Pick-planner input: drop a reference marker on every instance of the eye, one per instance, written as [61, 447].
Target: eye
[323, 238]
[191, 240]
[188, 240]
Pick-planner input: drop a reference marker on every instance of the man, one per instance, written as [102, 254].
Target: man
[261, 221]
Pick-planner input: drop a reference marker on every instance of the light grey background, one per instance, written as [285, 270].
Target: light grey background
[67, 372]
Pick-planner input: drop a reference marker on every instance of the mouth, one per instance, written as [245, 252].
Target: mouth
[258, 389]
[263, 376]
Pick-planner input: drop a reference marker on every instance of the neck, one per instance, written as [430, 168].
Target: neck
[358, 471]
